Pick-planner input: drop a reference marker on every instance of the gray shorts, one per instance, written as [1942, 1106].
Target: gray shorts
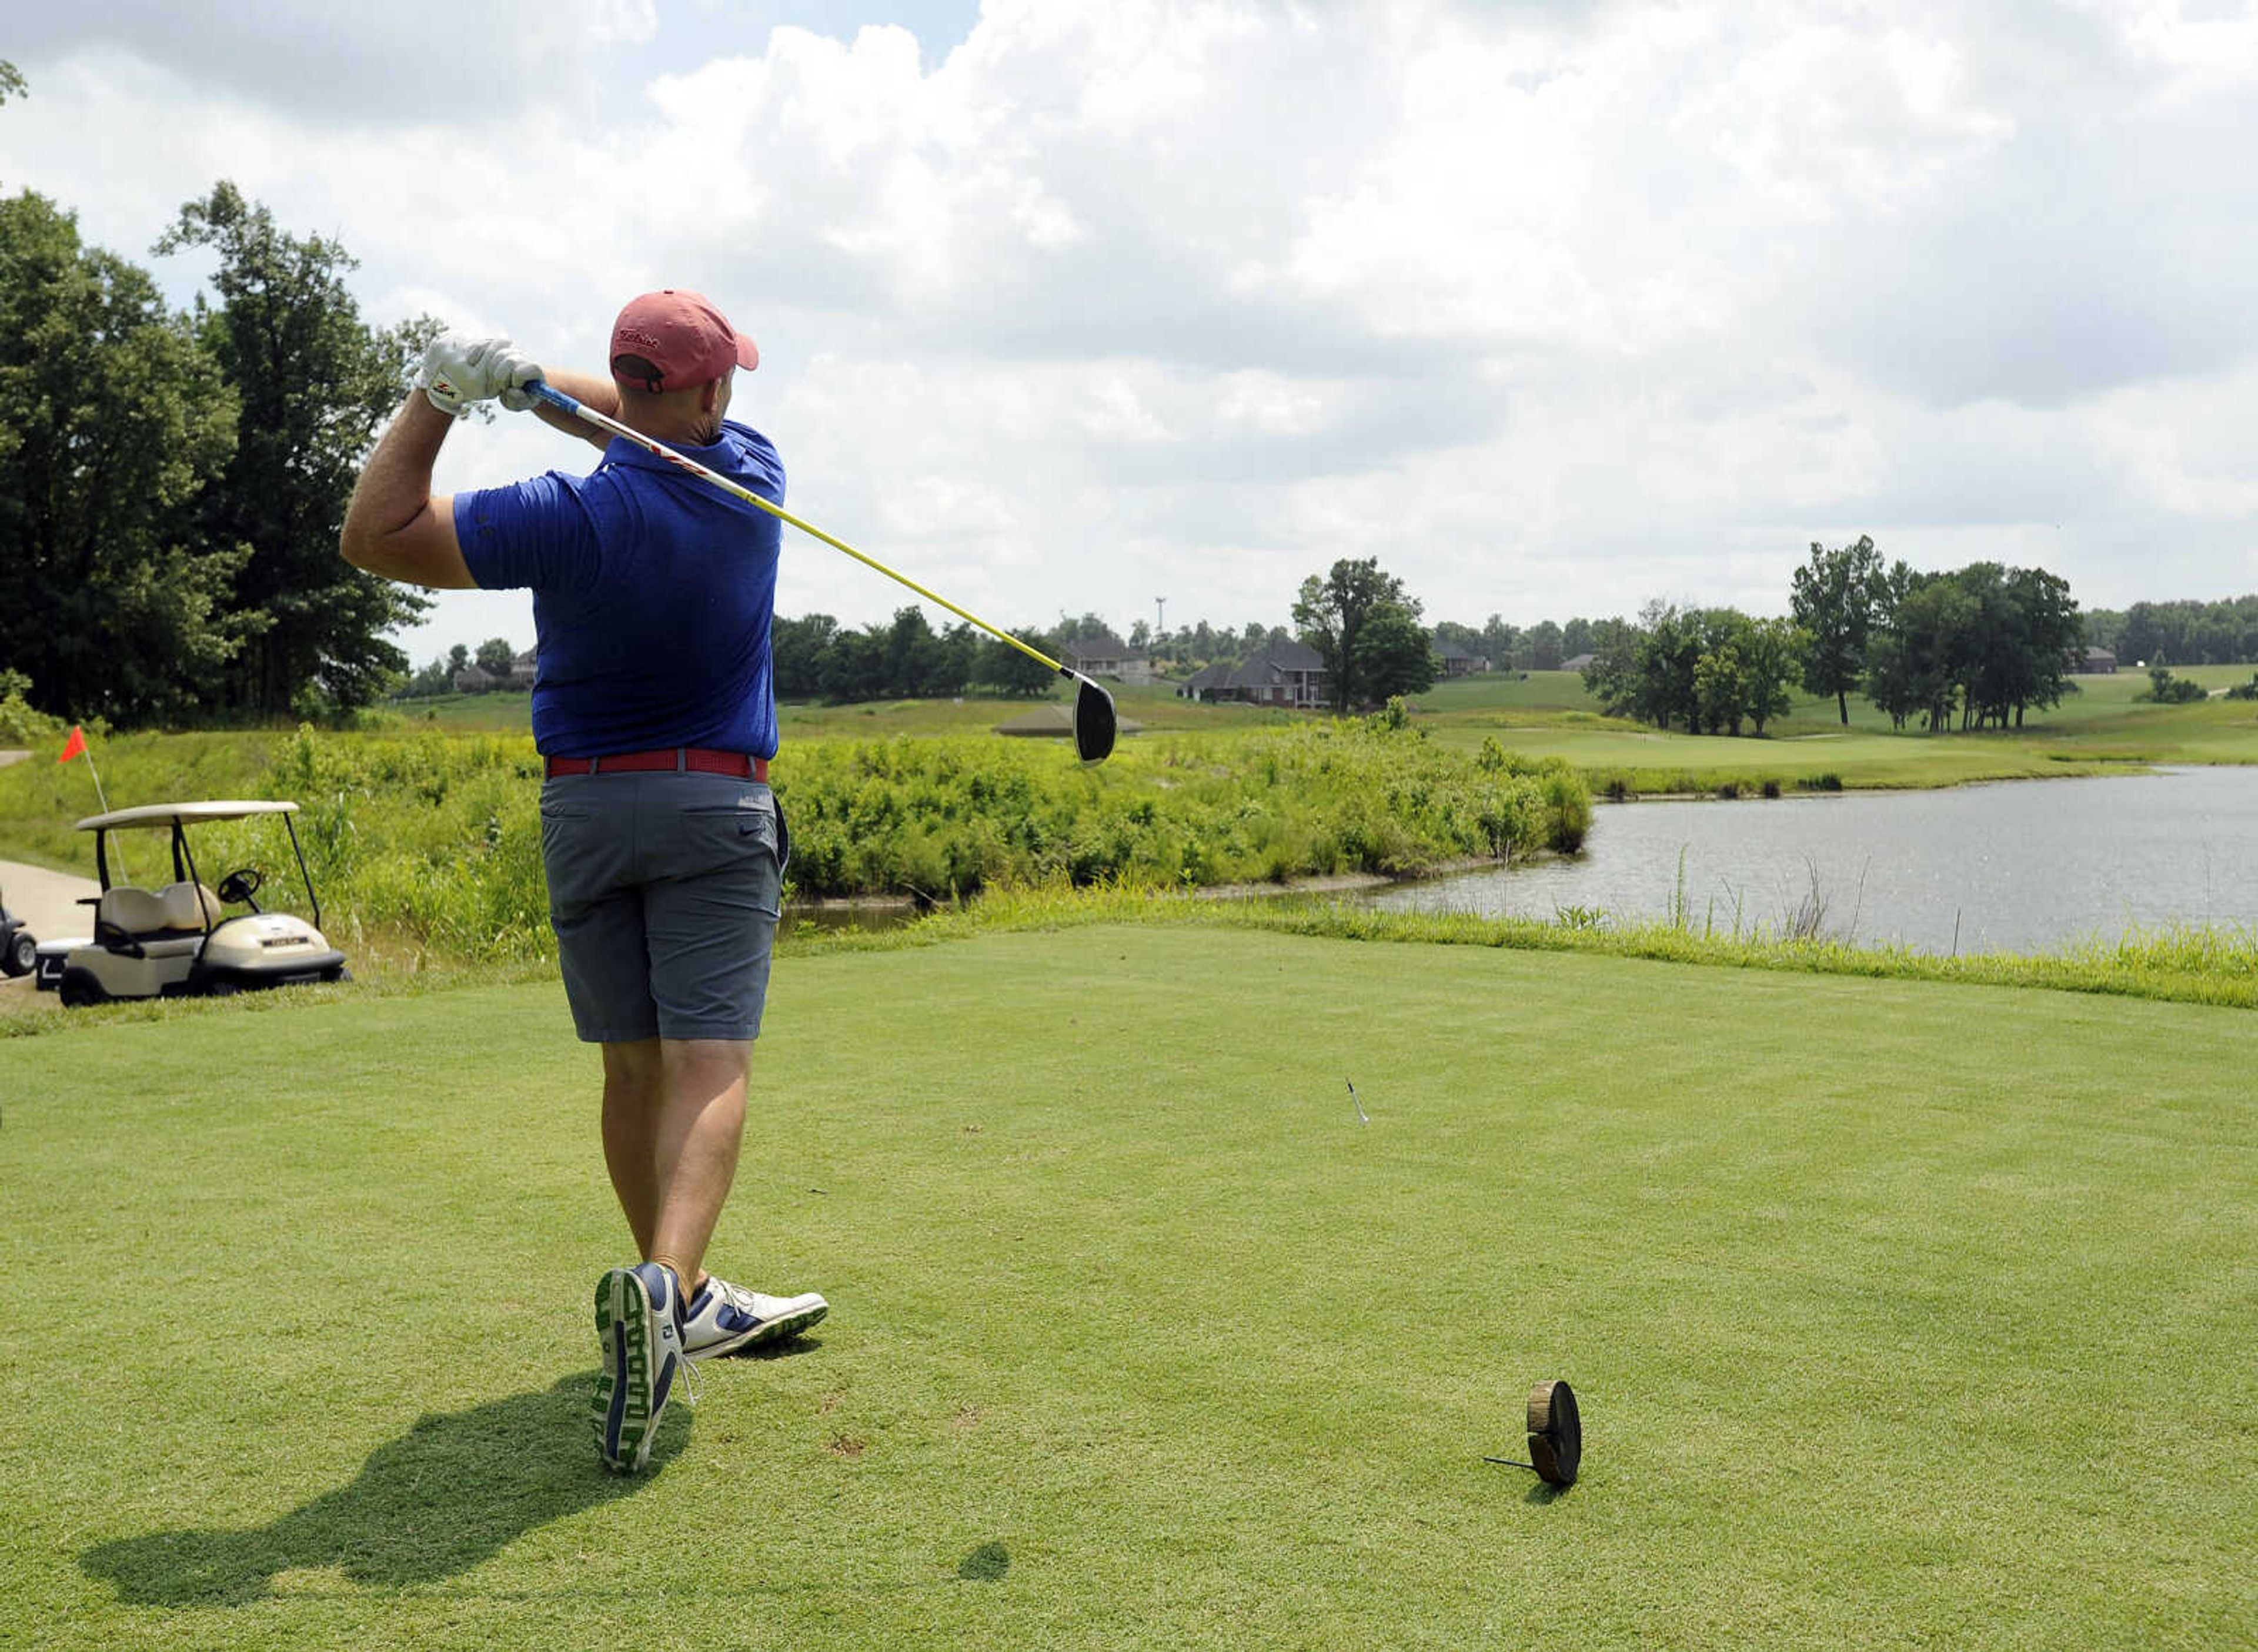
[664, 890]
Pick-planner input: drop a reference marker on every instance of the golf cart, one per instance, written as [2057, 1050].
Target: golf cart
[180, 940]
[19, 949]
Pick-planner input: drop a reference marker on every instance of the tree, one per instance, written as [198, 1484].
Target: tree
[1615, 661]
[796, 649]
[114, 421]
[1770, 652]
[1717, 690]
[1393, 657]
[1004, 668]
[495, 656]
[1833, 603]
[315, 384]
[1499, 642]
[1541, 647]
[459, 658]
[1332, 611]
[11, 82]
[1465, 636]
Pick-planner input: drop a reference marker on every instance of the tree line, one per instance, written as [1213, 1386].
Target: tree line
[172, 482]
[1707, 670]
[1981, 645]
[2224, 633]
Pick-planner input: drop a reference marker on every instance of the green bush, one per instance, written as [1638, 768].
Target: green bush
[2167, 690]
[431, 840]
[21, 724]
[950, 817]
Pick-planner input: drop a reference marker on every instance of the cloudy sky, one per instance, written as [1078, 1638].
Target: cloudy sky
[1069, 306]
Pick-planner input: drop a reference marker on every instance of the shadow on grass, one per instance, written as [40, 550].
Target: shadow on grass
[447, 1496]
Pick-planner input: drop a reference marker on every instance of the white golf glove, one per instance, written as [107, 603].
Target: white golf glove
[458, 370]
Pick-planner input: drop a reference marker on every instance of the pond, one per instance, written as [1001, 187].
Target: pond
[2022, 866]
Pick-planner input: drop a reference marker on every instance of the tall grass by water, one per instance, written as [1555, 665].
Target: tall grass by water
[428, 844]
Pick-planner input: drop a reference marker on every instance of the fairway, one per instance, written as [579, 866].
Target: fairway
[1901, 1315]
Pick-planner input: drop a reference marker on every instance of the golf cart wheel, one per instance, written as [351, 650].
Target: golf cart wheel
[80, 990]
[23, 954]
[1556, 1433]
[339, 974]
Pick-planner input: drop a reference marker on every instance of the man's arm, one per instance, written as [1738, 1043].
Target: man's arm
[598, 395]
[394, 526]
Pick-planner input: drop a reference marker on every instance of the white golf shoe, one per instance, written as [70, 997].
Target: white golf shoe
[639, 1336]
[728, 1319]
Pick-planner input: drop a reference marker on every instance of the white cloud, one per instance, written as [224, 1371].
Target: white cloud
[1551, 310]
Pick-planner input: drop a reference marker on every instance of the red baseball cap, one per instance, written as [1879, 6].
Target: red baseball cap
[685, 340]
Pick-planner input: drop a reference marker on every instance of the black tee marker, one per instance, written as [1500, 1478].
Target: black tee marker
[1556, 1436]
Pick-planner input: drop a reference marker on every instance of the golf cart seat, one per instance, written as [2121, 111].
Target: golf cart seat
[170, 919]
[190, 906]
[138, 911]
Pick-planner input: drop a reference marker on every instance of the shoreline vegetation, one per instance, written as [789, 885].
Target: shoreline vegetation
[2210, 965]
[423, 833]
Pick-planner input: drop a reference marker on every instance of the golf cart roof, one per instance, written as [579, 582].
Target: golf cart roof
[166, 814]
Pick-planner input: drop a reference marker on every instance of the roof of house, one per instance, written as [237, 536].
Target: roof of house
[1209, 676]
[1576, 662]
[1292, 655]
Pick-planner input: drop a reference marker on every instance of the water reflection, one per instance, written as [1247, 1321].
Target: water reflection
[825, 917]
[2025, 866]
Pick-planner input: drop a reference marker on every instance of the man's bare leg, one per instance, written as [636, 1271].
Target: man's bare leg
[674, 1116]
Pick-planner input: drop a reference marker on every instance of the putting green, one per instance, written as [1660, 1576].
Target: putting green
[1899, 1314]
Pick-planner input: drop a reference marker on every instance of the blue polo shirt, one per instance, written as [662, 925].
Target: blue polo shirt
[652, 596]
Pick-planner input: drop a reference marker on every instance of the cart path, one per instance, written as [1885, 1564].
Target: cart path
[47, 901]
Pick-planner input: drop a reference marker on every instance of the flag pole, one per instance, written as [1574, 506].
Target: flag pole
[76, 747]
[96, 773]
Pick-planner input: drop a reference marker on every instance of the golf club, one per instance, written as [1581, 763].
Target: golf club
[1093, 721]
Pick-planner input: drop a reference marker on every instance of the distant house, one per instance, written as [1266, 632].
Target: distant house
[1456, 662]
[1106, 654]
[476, 679]
[1206, 684]
[2095, 663]
[1576, 662]
[1282, 674]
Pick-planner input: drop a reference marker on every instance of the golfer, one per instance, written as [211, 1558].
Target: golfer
[655, 715]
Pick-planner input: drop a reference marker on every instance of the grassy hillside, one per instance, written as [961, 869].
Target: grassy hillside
[1551, 714]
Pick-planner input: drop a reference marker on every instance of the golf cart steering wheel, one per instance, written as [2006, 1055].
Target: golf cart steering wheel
[238, 887]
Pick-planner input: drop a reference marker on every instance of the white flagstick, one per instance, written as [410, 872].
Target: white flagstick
[86, 750]
[89, 754]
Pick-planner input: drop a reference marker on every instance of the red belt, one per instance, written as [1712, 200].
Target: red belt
[698, 759]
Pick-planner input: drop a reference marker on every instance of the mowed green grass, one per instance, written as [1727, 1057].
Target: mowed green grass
[1901, 1315]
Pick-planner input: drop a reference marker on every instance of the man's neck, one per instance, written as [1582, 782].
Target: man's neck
[697, 431]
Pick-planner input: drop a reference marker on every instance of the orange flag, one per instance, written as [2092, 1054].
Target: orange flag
[74, 745]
